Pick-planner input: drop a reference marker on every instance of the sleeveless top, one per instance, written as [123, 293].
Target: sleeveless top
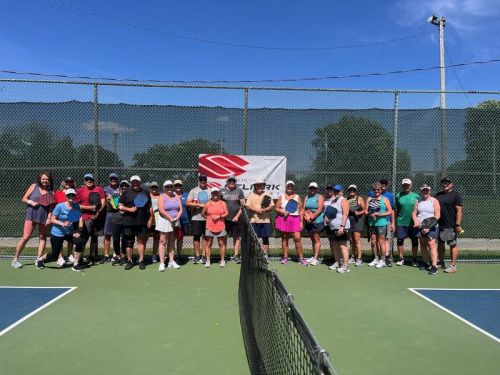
[377, 205]
[353, 205]
[312, 204]
[215, 209]
[171, 204]
[38, 214]
[425, 209]
[335, 223]
[284, 202]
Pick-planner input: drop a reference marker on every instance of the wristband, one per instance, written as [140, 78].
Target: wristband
[342, 226]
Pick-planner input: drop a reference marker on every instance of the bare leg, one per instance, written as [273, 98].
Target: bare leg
[298, 244]
[284, 244]
[42, 239]
[454, 254]
[316, 240]
[27, 232]
[222, 247]
[161, 246]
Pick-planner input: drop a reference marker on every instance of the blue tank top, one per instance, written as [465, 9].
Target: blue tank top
[312, 204]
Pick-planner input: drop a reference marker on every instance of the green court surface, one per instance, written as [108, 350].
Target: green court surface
[128, 322]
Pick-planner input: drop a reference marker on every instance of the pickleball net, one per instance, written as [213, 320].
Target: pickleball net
[277, 339]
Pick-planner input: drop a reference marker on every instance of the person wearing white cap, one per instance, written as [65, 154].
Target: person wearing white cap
[260, 204]
[65, 230]
[314, 219]
[154, 193]
[136, 220]
[405, 203]
[215, 211]
[235, 200]
[289, 218]
[184, 221]
[170, 211]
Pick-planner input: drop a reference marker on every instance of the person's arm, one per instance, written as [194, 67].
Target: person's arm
[280, 209]
[205, 209]
[367, 205]
[389, 211]
[25, 198]
[458, 222]
[238, 214]
[345, 213]
[226, 212]
[121, 206]
[437, 209]
[416, 223]
[181, 210]
[362, 205]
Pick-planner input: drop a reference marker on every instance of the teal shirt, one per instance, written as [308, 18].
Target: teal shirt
[312, 204]
[379, 221]
[405, 203]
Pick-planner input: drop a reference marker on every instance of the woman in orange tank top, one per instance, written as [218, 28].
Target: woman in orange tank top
[215, 211]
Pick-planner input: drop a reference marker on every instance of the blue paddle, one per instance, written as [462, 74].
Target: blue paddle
[291, 206]
[141, 200]
[203, 197]
[331, 212]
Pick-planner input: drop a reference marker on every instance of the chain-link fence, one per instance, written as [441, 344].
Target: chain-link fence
[339, 136]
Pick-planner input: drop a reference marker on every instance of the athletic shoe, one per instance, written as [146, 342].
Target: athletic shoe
[441, 264]
[105, 259]
[334, 266]
[381, 264]
[425, 266]
[358, 263]
[303, 262]
[196, 259]
[142, 265]
[129, 266]
[162, 267]
[400, 262]
[203, 260]
[222, 263]
[352, 260]
[40, 265]
[284, 260]
[71, 258]
[154, 259]
[173, 264]
[314, 262]
[61, 262]
[433, 270]
[374, 262]
[414, 262]
[123, 262]
[343, 269]
[78, 268]
[207, 264]
[116, 260]
[451, 269]
[388, 261]
[16, 264]
[237, 259]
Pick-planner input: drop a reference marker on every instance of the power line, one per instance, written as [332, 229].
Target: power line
[230, 44]
[359, 75]
[457, 76]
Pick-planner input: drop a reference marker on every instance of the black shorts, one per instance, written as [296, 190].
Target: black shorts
[314, 227]
[198, 227]
[132, 231]
[332, 236]
[233, 228]
[186, 228]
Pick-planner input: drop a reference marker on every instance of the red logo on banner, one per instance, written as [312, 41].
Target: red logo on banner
[221, 166]
[214, 184]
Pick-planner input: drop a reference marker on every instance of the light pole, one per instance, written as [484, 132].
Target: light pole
[441, 22]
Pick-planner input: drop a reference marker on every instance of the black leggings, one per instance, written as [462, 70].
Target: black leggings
[119, 243]
[57, 245]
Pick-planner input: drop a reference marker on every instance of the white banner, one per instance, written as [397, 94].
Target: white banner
[247, 169]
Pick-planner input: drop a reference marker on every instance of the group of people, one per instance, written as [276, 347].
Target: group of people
[125, 212]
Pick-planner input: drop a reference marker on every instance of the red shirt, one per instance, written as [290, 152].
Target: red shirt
[82, 197]
[60, 196]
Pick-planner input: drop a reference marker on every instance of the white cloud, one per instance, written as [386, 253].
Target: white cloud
[110, 127]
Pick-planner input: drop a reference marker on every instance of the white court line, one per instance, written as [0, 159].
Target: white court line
[16, 323]
[414, 290]
[451, 289]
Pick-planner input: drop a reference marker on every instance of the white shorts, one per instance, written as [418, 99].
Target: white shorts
[165, 226]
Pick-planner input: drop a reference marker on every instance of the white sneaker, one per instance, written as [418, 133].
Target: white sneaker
[61, 262]
[343, 269]
[71, 259]
[222, 263]
[352, 260]
[358, 263]
[313, 262]
[162, 267]
[173, 264]
[400, 262]
[380, 264]
[309, 260]
[334, 266]
[374, 262]
[153, 259]
[16, 264]
[207, 264]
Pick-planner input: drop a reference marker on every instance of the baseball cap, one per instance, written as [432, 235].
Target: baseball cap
[154, 184]
[69, 191]
[124, 182]
[202, 177]
[425, 186]
[68, 179]
[406, 181]
[113, 175]
[214, 189]
[384, 181]
[290, 182]
[167, 182]
[135, 178]
[231, 177]
[178, 182]
[445, 179]
[329, 187]
[259, 180]
[313, 184]
[88, 175]
[352, 187]
[338, 187]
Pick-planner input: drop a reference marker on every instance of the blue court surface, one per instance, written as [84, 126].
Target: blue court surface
[479, 308]
[19, 303]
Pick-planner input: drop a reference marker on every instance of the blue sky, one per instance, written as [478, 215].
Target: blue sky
[45, 36]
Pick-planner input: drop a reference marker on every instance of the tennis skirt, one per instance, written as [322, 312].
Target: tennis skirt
[165, 226]
[289, 224]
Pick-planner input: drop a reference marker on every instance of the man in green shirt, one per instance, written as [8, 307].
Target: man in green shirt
[405, 203]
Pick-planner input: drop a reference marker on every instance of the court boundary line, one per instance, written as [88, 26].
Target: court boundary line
[414, 290]
[19, 321]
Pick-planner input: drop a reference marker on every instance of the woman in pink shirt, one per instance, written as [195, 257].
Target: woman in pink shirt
[215, 211]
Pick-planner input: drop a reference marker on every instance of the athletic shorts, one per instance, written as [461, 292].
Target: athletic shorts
[132, 231]
[314, 227]
[262, 229]
[406, 232]
[356, 223]
[233, 228]
[220, 234]
[433, 233]
[198, 227]
[334, 237]
[446, 233]
[379, 231]
[110, 217]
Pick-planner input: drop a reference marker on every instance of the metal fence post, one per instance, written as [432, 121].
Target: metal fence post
[395, 143]
[245, 121]
[96, 132]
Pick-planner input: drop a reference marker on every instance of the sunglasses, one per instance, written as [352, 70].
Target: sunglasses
[177, 185]
[169, 186]
[88, 179]
[123, 185]
[71, 195]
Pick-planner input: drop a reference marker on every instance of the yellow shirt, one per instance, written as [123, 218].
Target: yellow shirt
[253, 203]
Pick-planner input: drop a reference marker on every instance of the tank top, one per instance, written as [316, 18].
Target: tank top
[312, 204]
[215, 209]
[425, 209]
[353, 204]
[377, 205]
[335, 223]
[171, 205]
[38, 214]
[284, 202]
